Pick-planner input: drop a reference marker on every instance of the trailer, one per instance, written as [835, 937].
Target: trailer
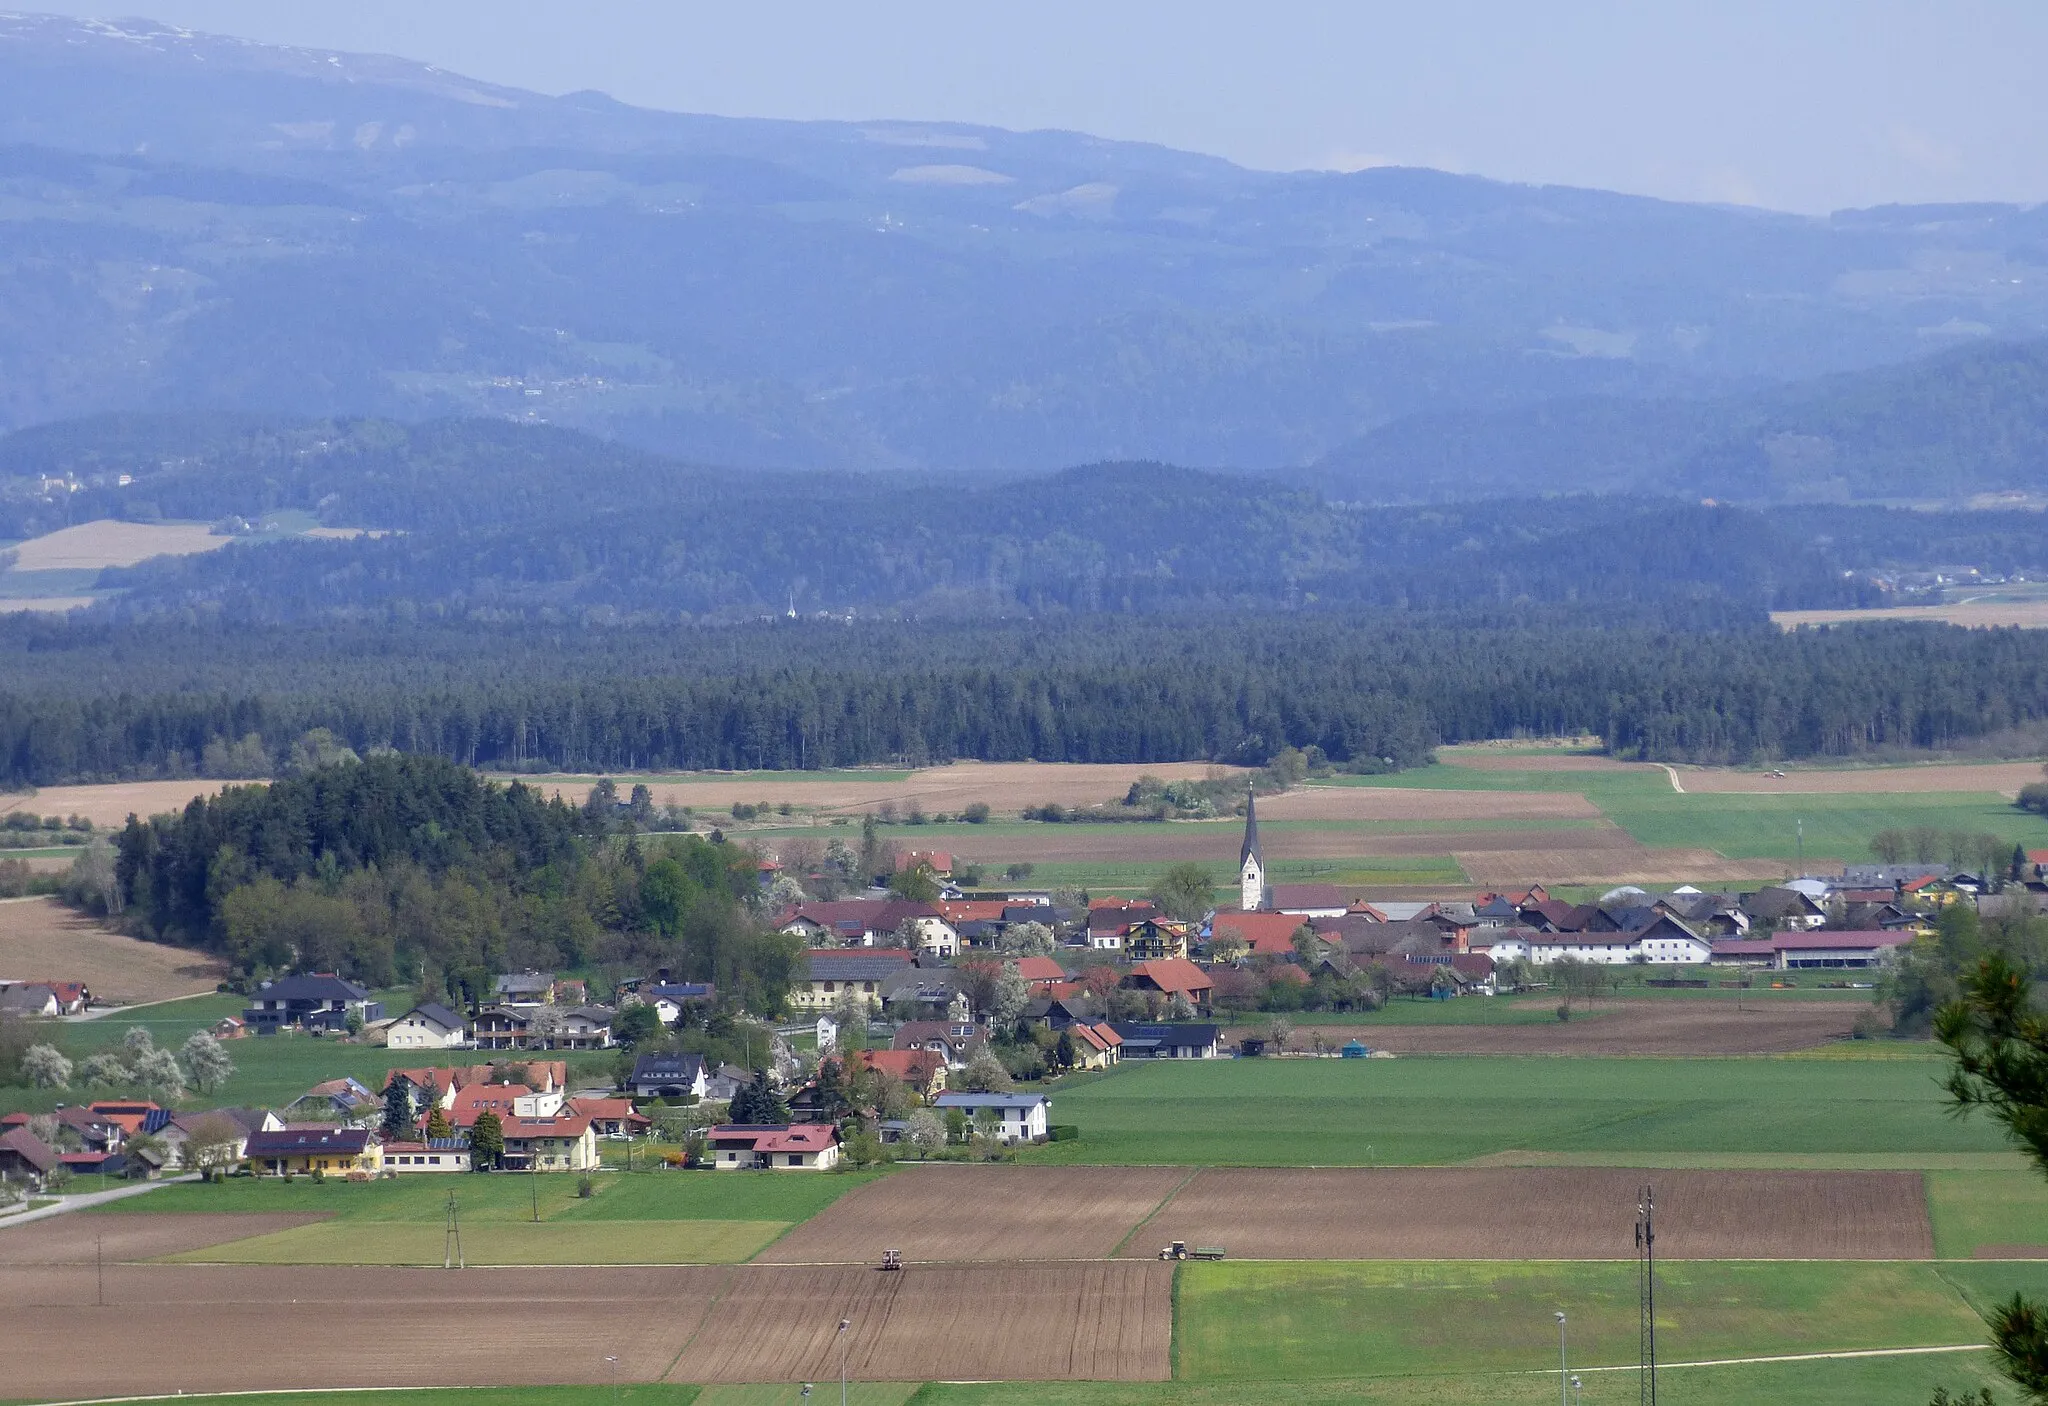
[1206, 1252]
[892, 1259]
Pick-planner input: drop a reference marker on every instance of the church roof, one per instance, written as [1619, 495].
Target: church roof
[1251, 831]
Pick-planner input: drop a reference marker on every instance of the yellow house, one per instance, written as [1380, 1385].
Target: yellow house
[314, 1148]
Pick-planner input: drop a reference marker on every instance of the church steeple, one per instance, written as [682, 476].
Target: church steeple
[1251, 865]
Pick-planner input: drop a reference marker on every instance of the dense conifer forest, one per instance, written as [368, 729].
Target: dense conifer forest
[108, 700]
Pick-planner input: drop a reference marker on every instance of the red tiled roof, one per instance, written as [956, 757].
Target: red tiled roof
[1040, 970]
[606, 1108]
[1270, 934]
[1174, 974]
[974, 910]
[910, 1066]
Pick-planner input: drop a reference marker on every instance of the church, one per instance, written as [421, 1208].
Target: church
[1253, 893]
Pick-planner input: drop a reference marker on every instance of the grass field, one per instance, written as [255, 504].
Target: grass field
[1436, 1110]
[636, 1196]
[1973, 1210]
[501, 1242]
[1274, 1321]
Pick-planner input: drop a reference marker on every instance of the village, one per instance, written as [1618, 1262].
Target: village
[940, 1029]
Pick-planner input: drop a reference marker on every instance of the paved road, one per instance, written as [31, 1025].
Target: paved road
[92, 1198]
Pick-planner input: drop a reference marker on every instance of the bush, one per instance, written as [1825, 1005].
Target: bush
[2034, 797]
[319, 1177]
[1564, 1012]
[1062, 1132]
[586, 1188]
[976, 814]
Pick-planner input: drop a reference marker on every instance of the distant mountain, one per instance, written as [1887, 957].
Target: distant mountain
[490, 520]
[1941, 429]
[191, 222]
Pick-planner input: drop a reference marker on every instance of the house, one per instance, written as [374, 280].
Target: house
[1069, 1004]
[333, 1099]
[236, 1123]
[671, 998]
[668, 1076]
[931, 993]
[1155, 939]
[427, 1026]
[314, 1149]
[1783, 909]
[131, 1116]
[871, 922]
[1015, 1117]
[557, 1142]
[1040, 973]
[610, 1117]
[26, 1157]
[1309, 900]
[1175, 976]
[782, 1146]
[29, 999]
[505, 1100]
[1665, 941]
[726, 1082]
[1096, 1046]
[322, 1001]
[1166, 1041]
[1265, 934]
[525, 989]
[922, 1071]
[936, 860]
[439, 1154]
[95, 1134]
[1110, 918]
[1931, 891]
[230, 1027]
[830, 974]
[957, 1040]
[503, 1027]
[102, 1162]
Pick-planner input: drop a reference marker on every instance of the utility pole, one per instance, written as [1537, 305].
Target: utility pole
[1799, 829]
[1646, 1269]
[845, 1346]
[1564, 1376]
[533, 1181]
[451, 1239]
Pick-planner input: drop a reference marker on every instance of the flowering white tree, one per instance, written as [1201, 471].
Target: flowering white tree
[45, 1067]
[207, 1062]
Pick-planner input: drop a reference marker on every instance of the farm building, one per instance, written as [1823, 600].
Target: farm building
[1167, 1041]
[1836, 949]
[441, 1154]
[831, 973]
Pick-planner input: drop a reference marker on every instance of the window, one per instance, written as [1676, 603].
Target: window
[829, 988]
[796, 1159]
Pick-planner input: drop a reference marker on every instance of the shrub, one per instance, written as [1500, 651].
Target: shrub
[586, 1188]
[1564, 1012]
[976, 814]
[1062, 1132]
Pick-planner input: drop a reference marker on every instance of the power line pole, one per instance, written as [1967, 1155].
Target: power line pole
[1646, 1277]
[451, 1239]
[1564, 1376]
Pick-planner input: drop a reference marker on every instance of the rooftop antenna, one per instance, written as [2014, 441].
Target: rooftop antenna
[792, 603]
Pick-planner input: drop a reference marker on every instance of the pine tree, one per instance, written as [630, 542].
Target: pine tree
[397, 1109]
[486, 1141]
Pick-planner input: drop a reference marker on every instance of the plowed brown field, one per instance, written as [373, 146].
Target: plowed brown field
[1099, 1321]
[1404, 803]
[78, 1239]
[41, 938]
[202, 1328]
[1544, 1213]
[112, 805]
[1767, 1025]
[980, 1213]
[1618, 864]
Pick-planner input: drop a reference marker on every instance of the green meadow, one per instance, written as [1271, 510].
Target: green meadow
[1442, 1109]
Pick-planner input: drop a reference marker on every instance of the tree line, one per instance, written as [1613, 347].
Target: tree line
[103, 702]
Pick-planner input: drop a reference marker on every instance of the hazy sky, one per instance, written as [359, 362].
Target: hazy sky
[1799, 104]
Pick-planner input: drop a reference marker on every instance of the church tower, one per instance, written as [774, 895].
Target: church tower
[1251, 865]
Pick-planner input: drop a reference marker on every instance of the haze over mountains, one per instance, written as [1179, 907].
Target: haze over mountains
[198, 223]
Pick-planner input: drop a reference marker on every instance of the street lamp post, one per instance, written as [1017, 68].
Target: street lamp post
[1564, 1386]
[1578, 1392]
[845, 1346]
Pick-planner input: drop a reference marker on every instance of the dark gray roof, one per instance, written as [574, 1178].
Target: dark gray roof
[291, 1142]
[311, 988]
[682, 1068]
[438, 1013]
[855, 964]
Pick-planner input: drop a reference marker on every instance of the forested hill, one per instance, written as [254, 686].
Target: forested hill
[99, 701]
[1938, 430]
[500, 520]
[199, 221]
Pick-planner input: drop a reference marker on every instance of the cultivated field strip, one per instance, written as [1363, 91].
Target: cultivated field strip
[41, 938]
[202, 1328]
[81, 1239]
[1544, 1213]
[1660, 1028]
[1100, 1321]
[980, 1213]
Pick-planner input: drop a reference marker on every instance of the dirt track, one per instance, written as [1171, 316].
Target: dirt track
[1544, 1213]
[170, 1328]
[77, 1239]
[1019, 1322]
[1708, 1026]
[980, 1213]
[42, 939]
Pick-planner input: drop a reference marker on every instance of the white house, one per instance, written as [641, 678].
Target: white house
[1020, 1117]
[1667, 942]
[778, 1146]
[427, 1027]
